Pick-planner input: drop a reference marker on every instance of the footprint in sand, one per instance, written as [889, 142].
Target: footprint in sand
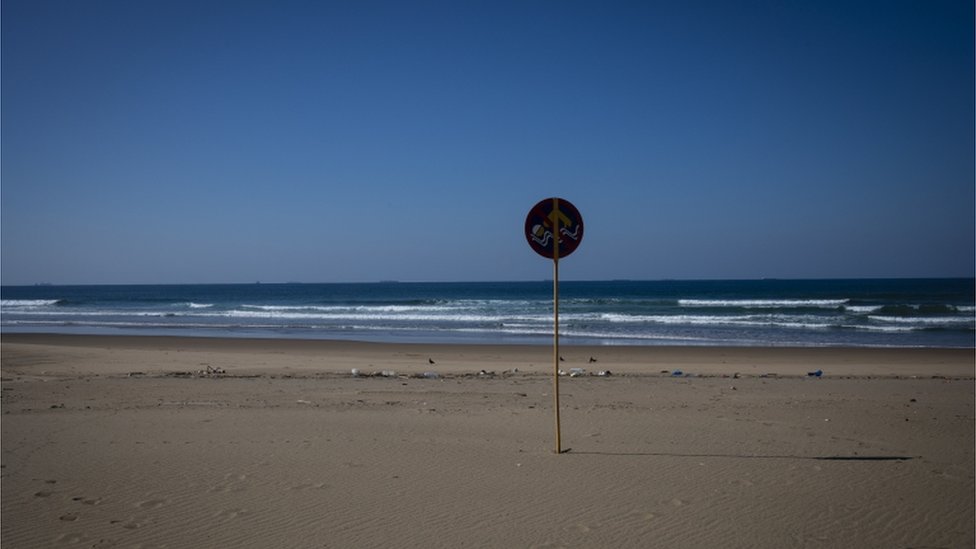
[232, 479]
[70, 517]
[87, 501]
[71, 538]
[643, 514]
[151, 504]
[309, 486]
[230, 513]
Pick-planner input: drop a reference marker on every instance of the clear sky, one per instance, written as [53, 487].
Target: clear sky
[204, 141]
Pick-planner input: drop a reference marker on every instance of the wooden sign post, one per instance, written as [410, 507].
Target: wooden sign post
[554, 228]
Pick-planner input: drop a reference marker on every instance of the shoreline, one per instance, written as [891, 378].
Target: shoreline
[256, 355]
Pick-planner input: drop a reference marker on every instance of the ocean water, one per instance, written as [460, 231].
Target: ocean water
[864, 313]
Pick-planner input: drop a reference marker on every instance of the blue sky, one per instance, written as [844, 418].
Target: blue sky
[180, 142]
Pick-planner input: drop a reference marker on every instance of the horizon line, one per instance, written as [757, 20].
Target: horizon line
[393, 281]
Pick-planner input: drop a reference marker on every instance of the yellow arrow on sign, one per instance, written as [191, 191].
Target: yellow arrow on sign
[557, 214]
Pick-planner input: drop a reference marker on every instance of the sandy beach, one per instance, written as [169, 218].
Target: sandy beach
[195, 442]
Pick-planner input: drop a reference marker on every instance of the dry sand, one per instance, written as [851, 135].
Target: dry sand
[122, 442]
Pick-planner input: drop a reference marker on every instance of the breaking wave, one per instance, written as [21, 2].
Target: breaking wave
[798, 312]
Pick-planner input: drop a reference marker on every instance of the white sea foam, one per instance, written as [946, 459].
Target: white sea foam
[863, 309]
[924, 320]
[27, 303]
[763, 303]
[883, 329]
[732, 320]
[274, 308]
[363, 316]
[348, 308]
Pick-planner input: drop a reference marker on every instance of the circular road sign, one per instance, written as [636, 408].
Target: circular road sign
[554, 228]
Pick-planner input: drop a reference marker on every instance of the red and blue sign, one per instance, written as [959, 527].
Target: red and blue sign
[554, 228]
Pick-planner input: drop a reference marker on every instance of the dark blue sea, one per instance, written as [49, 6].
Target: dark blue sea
[810, 313]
